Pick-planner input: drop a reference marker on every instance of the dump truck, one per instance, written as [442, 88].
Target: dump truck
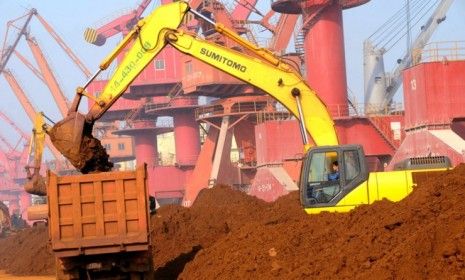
[99, 225]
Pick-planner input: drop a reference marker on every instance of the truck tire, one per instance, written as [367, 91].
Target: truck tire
[146, 273]
[63, 274]
[141, 276]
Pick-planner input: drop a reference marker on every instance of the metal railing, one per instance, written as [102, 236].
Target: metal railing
[237, 108]
[362, 109]
[208, 111]
[170, 103]
[430, 123]
[336, 111]
[440, 51]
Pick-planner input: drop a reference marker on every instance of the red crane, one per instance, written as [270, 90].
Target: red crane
[122, 24]
[63, 45]
[44, 73]
[13, 124]
[48, 76]
[27, 106]
[23, 156]
[10, 159]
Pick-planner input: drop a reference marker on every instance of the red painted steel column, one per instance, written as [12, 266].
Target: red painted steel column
[186, 137]
[146, 151]
[325, 60]
[146, 148]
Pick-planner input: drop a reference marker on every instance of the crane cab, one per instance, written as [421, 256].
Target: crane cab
[330, 173]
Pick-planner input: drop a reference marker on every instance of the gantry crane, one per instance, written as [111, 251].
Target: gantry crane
[44, 73]
[7, 51]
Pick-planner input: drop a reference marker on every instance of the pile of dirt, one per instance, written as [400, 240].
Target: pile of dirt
[421, 237]
[227, 234]
[27, 252]
[179, 233]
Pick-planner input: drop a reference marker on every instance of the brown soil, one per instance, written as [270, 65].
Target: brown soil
[94, 155]
[421, 237]
[227, 234]
[27, 253]
[86, 153]
[36, 185]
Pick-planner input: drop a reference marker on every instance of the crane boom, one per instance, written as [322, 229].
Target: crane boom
[30, 66]
[13, 124]
[281, 37]
[63, 45]
[420, 42]
[380, 87]
[6, 54]
[47, 74]
[243, 9]
[27, 106]
[7, 144]
[123, 23]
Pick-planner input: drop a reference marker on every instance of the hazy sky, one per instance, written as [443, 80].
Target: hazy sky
[70, 18]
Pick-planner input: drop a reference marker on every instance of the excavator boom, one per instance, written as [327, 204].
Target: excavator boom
[72, 136]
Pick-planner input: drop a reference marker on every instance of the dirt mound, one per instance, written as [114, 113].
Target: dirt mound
[179, 233]
[421, 237]
[227, 234]
[27, 253]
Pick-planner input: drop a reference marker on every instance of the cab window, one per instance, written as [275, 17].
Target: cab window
[323, 178]
[352, 165]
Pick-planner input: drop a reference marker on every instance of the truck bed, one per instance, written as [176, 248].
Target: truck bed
[98, 213]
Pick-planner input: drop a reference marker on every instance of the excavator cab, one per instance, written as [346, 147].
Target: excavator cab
[329, 173]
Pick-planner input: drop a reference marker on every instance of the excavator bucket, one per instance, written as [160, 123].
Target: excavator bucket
[36, 185]
[72, 136]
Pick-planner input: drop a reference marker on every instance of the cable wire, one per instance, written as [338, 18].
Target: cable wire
[399, 13]
[400, 25]
[405, 33]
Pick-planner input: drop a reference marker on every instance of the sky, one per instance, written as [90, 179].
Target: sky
[70, 18]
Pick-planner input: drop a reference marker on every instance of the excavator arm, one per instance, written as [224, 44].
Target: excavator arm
[35, 182]
[72, 136]
[281, 81]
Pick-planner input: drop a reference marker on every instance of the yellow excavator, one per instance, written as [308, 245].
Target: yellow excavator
[35, 183]
[354, 185]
